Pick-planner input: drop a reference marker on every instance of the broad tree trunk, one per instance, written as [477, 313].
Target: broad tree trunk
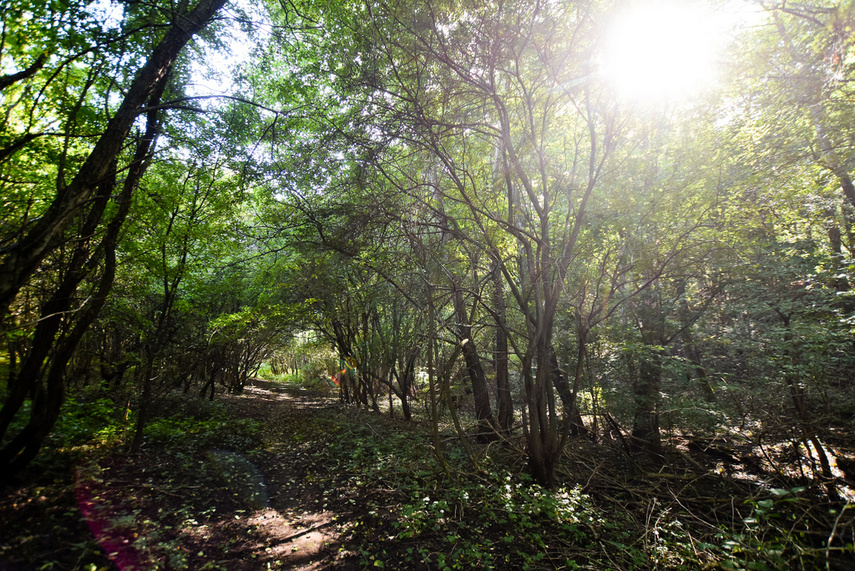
[645, 423]
[648, 374]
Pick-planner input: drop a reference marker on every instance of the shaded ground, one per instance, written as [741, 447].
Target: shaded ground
[190, 506]
[283, 479]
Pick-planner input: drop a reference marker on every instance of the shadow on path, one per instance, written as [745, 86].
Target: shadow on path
[274, 506]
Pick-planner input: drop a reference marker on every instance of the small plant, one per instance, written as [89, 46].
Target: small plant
[179, 431]
[774, 535]
[493, 524]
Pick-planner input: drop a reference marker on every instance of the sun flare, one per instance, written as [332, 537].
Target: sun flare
[662, 51]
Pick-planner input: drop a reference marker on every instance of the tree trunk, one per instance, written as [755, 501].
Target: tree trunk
[797, 394]
[645, 424]
[433, 393]
[478, 379]
[23, 257]
[691, 348]
[145, 405]
[47, 400]
[648, 375]
[406, 383]
[572, 417]
[504, 401]
[544, 443]
[30, 376]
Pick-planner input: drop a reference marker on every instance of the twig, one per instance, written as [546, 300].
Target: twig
[668, 476]
[291, 538]
[593, 473]
[833, 533]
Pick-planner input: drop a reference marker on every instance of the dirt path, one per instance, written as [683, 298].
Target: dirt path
[302, 523]
[249, 492]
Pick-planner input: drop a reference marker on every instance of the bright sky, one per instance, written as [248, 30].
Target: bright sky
[212, 77]
[655, 51]
[667, 50]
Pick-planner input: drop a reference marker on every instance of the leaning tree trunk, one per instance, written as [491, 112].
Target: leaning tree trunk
[797, 394]
[22, 257]
[48, 387]
[483, 412]
[92, 188]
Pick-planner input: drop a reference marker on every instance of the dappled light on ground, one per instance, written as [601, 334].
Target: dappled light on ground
[199, 507]
[279, 478]
[294, 538]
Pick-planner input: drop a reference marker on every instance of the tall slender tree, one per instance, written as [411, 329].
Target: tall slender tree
[77, 211]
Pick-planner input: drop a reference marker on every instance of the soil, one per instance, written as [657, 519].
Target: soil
[168, 510]
[273, 489]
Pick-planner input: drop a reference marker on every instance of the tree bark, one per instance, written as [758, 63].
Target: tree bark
[645, 424]
[47, 403]
[22, 258]
[572, 417]
[30, 377]
[543, 440]
[504, 401]
[691, 348]
[11, 78]
[96, 177]
[648, 375]
[478, 379]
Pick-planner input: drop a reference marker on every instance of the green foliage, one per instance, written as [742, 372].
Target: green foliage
[769, 540]
[459, 521]
[180, 431]
[85, 422]
[287, 378]
[468, 516]
[397, 154]
[89, 421]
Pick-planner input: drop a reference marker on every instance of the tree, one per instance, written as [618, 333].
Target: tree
[791, 126]
[793, 108]
[500, 83]
[182, 204]
[78, 211]
[37, 239]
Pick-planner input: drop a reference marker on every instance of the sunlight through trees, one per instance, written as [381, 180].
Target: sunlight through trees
[549, 233]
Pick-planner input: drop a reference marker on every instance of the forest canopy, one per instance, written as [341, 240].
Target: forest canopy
[543, 222]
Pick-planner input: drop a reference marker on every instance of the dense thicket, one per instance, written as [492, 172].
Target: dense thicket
[572, 256]
[439, 205]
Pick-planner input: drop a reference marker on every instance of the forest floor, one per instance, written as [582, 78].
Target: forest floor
[279, 478]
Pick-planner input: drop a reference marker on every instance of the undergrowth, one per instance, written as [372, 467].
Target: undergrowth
[399, 504]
